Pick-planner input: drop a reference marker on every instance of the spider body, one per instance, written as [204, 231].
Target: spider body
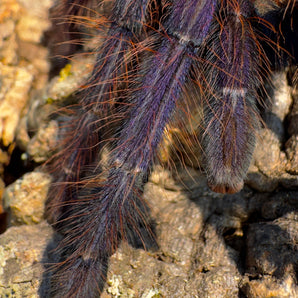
[137, 83]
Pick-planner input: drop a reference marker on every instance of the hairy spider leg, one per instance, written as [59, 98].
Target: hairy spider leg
[102, 216]
[82, 135]
[127, 23]
[230, 114]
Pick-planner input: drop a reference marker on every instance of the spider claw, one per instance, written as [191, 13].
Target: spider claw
[226, 188]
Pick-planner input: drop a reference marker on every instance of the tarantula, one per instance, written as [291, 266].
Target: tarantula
[154, 52]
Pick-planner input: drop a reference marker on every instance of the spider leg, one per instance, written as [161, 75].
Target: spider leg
[81, 139]
[82, 136]
[230, 113]
[77, 134]
[110, 203]
[127, 23]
